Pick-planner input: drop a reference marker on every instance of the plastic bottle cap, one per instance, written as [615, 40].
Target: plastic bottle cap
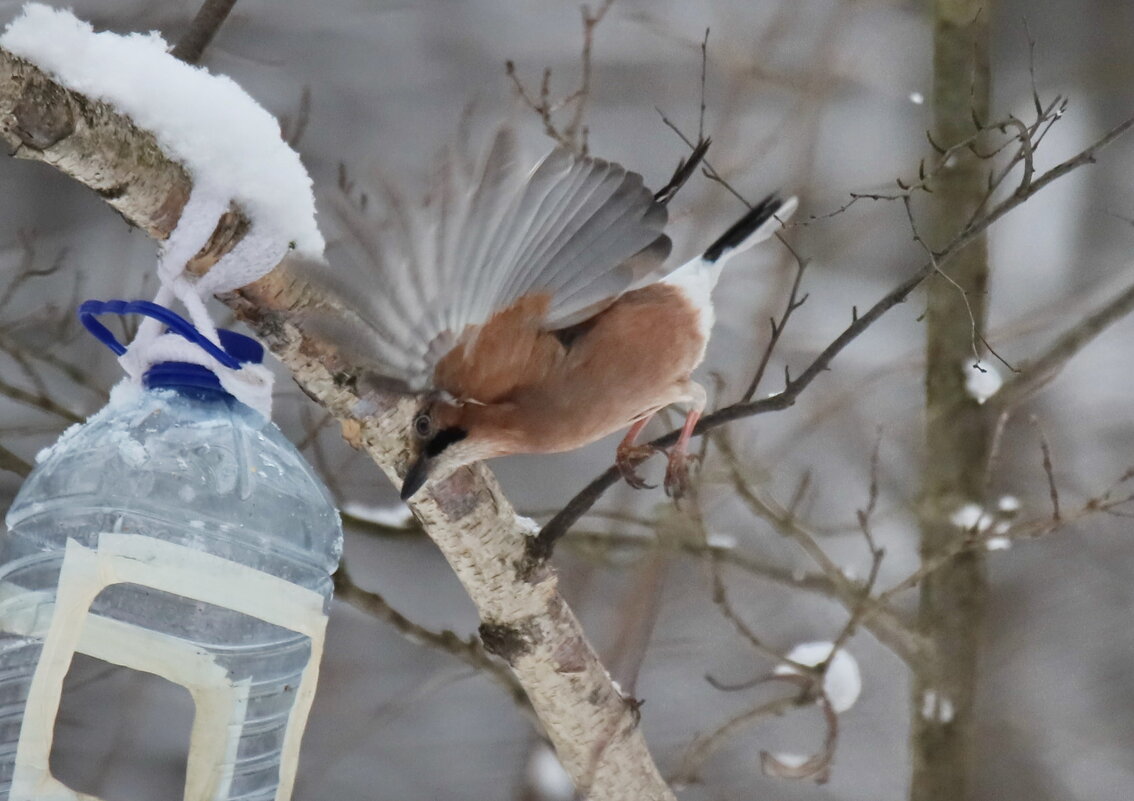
[235, 349]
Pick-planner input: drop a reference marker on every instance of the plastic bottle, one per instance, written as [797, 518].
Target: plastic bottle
[183, 462]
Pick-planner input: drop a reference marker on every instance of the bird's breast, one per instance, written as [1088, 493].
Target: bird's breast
[539, 391]
[630, 360]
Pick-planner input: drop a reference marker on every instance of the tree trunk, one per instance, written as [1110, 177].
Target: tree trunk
[957, 431]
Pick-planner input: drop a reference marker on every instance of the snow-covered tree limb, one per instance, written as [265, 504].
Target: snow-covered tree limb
[525, 620]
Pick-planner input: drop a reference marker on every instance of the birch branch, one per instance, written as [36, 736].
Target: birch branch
[524, 619]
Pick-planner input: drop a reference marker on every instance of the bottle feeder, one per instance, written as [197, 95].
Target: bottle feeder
[179, 533]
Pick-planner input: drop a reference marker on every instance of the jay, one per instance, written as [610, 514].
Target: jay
[532, 311]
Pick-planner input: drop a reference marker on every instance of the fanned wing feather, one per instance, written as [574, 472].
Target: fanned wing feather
[580, 229]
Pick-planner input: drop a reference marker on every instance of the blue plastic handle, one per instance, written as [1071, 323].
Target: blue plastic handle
[238, 349]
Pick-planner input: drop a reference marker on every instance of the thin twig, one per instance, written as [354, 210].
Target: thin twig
[1045, 449]
[540, 107]
[705, 745]
[574, 127]
[818, 766]
[27, 269]
[885, 623]
[1045, 117]
[683, 172]
[292, 128]
[721, 599]
[574, 135]
[704, 72]
[1103, 503]
[876, 556]
[793, 303]
[708, 171]
[202, 29]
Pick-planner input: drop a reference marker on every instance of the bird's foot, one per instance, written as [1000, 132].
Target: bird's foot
[627, 460]
[677, 472]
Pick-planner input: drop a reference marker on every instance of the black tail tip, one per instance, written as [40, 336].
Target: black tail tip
[743, 228]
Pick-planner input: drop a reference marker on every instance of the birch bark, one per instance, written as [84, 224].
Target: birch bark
[524, 619]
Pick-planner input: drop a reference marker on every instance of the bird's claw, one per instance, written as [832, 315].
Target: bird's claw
[627, 461]
[677, 473]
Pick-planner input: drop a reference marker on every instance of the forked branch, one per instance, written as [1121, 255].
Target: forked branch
[541, 547]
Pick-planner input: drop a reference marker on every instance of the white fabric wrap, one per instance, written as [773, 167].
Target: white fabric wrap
[253, 257]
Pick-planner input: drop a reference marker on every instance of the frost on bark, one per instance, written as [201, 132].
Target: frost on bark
[524, 619]
[957, 430]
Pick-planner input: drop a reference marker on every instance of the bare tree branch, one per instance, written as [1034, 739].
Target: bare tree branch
[981, 537]
[542, 546]
[41, 401]
[882, 621]
[591, 543]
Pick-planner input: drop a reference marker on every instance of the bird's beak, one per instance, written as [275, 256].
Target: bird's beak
[415, 476]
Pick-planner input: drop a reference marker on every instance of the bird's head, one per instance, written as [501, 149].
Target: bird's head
[445, 438]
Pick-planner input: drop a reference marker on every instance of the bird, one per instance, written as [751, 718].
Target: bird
[530, 308]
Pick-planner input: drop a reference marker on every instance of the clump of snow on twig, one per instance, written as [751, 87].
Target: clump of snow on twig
[1009, 504]
[228, 142]
[936, 707]
[791, 760]
[982, 380]
[995, 524]
[721, 542]
[971, 517]
[843, 682]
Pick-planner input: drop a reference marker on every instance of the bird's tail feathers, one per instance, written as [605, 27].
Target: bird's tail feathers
[758, 224]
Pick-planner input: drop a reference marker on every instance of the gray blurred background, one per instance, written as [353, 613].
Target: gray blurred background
[816, 97]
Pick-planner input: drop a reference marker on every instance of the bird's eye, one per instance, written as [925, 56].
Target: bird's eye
[423, 425]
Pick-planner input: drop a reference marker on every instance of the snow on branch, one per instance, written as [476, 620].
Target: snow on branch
[230, 145]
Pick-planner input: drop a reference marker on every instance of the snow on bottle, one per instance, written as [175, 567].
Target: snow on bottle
[179, 533]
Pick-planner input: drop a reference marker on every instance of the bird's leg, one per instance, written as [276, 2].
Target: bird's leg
[677, 470]
[629, 455]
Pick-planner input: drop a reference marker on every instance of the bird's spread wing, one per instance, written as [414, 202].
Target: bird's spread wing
[581, 230]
